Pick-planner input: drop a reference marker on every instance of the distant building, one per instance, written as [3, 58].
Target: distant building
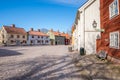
[12, 35]
[67, 38]
[56, 38]
[37, 38]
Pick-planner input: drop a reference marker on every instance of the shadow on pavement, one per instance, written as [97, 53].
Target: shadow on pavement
[5, 52]
[53, 68]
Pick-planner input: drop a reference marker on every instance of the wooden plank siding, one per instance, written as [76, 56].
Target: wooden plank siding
[110, 25]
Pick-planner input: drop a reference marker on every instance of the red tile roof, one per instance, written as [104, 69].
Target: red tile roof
[66, 35]
[15, 30]
[56, 33]
[37, 33]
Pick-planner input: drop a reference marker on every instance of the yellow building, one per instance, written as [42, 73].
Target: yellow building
[12, 35]
[73, 36]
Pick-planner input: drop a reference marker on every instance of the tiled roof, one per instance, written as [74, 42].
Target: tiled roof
[37, 33]
[67, 36]
[56, 33]
[14, 30]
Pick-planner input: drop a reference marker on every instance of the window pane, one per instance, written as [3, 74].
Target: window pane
[116, 40]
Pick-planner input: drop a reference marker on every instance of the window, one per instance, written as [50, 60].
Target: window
[38, 41]
[12, 36]
[18, 36]
[114, 9]
[38, 36]
[46, 37]
[41, 36]
[32, 36]
[31, 41]
[3, 36]
[42, 41]
[114, 40]
[12, 41]
[24, 41]
[3, 41]
[23, 36]
[46, 41]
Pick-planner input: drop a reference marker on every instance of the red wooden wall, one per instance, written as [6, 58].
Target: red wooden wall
[110, 25]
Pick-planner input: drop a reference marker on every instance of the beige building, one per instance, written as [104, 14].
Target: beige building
[12, 35]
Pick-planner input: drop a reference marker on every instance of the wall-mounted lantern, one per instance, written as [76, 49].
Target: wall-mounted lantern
[94, 24]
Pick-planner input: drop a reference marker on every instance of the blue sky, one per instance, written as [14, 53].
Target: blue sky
[56, 14]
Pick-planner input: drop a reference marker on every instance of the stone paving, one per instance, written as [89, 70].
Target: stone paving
[53, 63]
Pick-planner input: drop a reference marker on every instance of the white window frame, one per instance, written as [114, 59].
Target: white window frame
[113, 38]
[113, 8]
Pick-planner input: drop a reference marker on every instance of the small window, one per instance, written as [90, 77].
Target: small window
[32, 36]
[114, 9]
[24, 41]
[46, 37]
[18, 36]
[12, 41]
[38, 36]
[12, 36]
[42, 41]
[41, 36]
[3, 36]
[38, 41]
[46, 41]
[23, 36]
[31, 41]
[114, 40]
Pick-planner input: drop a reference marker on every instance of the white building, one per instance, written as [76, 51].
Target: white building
[88, 14]
[75, 34]
[37, 38]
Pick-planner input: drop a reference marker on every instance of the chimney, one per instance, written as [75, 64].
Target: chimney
[13, 25]
[31, 29]
[38, 30]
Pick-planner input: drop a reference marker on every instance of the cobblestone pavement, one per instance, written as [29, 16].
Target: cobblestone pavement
[52, 63]
[36, 63]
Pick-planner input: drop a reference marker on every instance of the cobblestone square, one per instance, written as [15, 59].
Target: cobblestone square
[52, 63]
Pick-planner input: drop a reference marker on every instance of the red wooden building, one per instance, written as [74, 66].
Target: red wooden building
[110, 22]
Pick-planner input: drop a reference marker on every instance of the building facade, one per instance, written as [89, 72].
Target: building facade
[67, 38]
[75, 38]
[85, 32]
[56, 37]
[12, 35]
[37, 38]
[110, 22]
